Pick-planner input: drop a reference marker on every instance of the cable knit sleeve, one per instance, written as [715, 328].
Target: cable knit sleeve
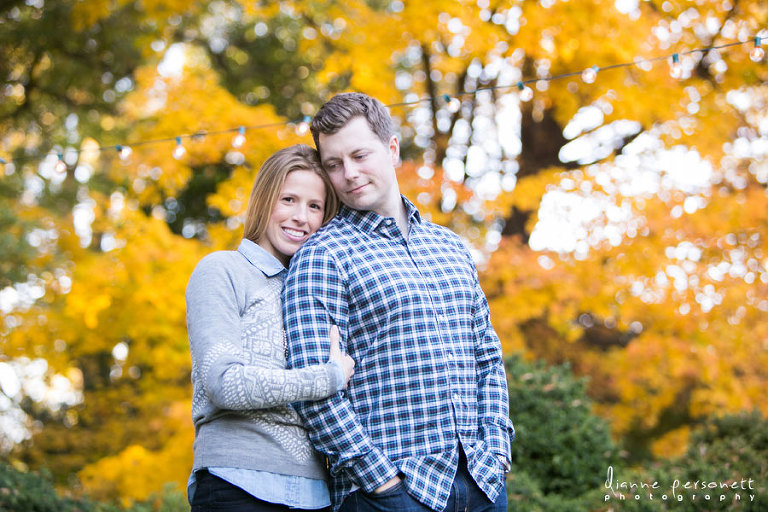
[237, 343]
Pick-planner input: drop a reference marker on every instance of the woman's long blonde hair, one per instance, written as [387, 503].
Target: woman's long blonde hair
[269, 181]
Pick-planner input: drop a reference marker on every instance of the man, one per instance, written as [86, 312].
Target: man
[424, 422]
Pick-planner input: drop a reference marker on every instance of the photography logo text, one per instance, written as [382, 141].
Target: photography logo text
[679, 489]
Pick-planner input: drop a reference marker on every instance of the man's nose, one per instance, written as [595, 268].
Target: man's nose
[351, 170]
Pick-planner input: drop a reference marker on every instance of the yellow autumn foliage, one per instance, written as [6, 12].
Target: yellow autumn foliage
[134, 473]
[666, 317]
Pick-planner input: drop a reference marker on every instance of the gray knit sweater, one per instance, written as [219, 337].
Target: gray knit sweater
[241, 390]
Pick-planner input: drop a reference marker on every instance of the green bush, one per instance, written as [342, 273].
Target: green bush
[725, 451]
[524, 494]
[562, 450]
[171, 500]
[34, 492]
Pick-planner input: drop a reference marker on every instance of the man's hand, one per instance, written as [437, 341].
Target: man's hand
[388, 484]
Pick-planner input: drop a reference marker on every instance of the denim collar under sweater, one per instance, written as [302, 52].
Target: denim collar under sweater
[260, 258]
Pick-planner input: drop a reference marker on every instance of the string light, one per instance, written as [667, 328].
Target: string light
[589, 75]
[303, 127]
[757, 52]
[239, 139]
[452, 104]
[179, 151]
[675, 68]
[61, 166]
[526, 93]
[124, 152]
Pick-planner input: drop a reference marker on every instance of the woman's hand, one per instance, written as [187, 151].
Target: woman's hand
[346, 362]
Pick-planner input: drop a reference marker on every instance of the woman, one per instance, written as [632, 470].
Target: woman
[251, 452]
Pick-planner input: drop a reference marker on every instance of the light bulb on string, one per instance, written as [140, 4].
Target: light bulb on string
[124, 152]
[303, 126]
[61, 166]
[679, 68]
[179, 151]
[239, 139]
[757, 52]
[452, 104]
[589, 75]
[675, 68]
[526, 93]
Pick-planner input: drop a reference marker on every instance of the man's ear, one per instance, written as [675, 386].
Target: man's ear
[394, 150]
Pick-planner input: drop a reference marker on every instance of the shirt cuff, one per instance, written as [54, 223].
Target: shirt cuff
[498, 438]
[372, 470]
[338, 378]
[505, 462]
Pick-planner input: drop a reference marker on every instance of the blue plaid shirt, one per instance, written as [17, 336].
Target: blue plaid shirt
[429, 371]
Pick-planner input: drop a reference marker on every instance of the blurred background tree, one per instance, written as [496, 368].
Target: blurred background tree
[619, 223]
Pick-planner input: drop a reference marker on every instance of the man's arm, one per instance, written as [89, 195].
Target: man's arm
[496, 428]
[314, 297]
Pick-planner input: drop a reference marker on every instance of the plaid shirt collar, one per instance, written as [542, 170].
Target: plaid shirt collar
[369, 221]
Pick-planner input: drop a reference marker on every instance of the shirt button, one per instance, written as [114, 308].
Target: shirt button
[456, 397]
[389, 223]
[450, 356]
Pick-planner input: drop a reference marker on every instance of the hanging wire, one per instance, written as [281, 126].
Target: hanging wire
[452, 103]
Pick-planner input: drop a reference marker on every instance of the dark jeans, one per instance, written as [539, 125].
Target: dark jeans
[465, 496]
[216, 495]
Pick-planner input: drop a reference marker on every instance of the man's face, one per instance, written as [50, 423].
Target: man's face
[362, 168]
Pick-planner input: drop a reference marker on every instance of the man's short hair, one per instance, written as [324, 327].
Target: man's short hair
[340, 109]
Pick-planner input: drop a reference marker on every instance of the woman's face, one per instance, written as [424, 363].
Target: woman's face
[297, 214]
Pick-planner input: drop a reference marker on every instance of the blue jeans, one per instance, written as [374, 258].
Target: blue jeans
[465, 496]
[216, 495]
